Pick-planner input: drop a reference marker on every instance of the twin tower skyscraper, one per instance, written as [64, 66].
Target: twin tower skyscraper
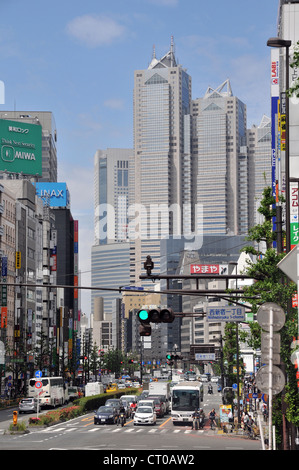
[188, 173]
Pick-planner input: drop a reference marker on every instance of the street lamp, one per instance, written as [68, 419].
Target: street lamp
[278, 42]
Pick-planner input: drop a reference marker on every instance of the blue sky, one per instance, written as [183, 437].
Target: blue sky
[77, 59]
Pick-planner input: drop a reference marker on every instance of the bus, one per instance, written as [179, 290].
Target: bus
[185, 398]
[49, 390]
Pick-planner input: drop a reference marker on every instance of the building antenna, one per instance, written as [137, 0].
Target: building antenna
[154, 52]
[171, 52]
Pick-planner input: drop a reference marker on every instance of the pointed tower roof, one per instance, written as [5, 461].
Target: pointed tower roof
[223, 90]
[168, 60]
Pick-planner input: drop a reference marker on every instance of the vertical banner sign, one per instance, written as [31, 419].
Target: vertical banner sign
[4, 292]
[294, 232]
[274, 119]
[18, 260]
[76, 271]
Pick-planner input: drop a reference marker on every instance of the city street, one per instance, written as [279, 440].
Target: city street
[82, 434]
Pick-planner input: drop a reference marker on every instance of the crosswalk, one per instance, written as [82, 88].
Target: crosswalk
[114, 430]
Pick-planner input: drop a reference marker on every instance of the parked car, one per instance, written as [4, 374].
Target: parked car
[28, 405]
[105, 415]
[159, 405]
[145, 415]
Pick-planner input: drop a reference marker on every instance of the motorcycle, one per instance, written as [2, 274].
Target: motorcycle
[121, 419]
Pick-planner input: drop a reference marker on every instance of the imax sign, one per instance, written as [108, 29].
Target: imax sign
[53, 194]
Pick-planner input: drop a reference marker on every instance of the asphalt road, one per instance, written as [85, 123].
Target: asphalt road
[81, 434]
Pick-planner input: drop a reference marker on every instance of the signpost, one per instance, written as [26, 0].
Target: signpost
[269, 378]
[38, 386]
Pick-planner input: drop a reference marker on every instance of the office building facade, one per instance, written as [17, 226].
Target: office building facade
[220, 152]
[110, 252]
[162, 104]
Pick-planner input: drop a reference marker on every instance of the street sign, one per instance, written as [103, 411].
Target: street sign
[38, 384]
[2, 353]
[288, 264]
[227, 313]
[262, 380]
[38, 374]
[263, 316]
[205, 357]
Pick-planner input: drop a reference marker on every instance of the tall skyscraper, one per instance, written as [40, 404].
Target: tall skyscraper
[111, 195]
[219, 147]
[259, 168]
[110, 252]
[162, 170]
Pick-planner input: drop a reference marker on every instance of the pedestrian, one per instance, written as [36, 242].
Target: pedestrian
[212, 417]
[231, 419]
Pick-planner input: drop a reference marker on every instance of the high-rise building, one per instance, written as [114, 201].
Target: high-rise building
[161, 169]
[219, 148]
[111, 195]
[259, 165]
[110, 252]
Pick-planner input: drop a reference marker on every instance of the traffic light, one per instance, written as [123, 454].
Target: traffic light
[148, 265]
[156, 315]
[145, 330]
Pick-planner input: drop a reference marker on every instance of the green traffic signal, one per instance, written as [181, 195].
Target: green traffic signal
[143, 315]
[168, 357]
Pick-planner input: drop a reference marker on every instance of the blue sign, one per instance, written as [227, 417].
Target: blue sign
[53, 194]
[226, 313]
[38, 374]
[4, 266]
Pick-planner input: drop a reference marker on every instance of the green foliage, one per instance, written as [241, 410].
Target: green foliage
[272, 286]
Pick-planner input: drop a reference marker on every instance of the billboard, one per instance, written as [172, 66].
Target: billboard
[20, 147]
[53, 194]
[209, 269]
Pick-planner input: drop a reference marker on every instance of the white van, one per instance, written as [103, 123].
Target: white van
[146, 403]
[129, 398]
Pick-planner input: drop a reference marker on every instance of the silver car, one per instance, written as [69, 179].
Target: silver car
[27, 405]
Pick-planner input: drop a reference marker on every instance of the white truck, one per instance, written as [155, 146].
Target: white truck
[185, 398]
[93, 388]
[161, 389]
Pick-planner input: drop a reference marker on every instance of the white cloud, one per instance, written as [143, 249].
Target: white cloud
[95, 30]
[114, 104]
[166, 3]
